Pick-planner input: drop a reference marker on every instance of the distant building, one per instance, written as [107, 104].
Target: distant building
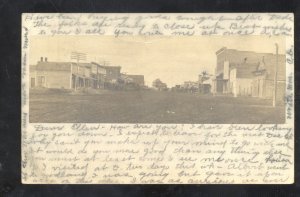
[203, 77]
[190, 85]
[110, 73]
[246, 73]
[136, 79]
[205, 84]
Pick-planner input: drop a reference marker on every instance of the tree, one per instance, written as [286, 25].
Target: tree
[204, 73]
[156, 83]
[203, 76]
[159, 85]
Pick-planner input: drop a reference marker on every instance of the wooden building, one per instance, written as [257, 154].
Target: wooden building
[247, 73]
[71, 75]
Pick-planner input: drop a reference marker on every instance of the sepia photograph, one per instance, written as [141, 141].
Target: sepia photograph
[181, 98]
[157, 79]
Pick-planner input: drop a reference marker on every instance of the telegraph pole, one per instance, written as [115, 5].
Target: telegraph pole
[275, 77]
[77, 56]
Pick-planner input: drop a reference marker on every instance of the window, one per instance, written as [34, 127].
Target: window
[41, 80]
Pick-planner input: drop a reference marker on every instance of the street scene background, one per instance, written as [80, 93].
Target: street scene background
[157, 79]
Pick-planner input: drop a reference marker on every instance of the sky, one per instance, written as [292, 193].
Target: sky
[169, 58]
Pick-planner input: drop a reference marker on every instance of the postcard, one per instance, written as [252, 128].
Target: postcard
[139, 98]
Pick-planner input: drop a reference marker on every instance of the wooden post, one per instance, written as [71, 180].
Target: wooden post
[275, 77]
[77, 56]
[77, 75]
[98, 85]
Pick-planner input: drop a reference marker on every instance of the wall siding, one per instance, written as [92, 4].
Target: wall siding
[56, 79]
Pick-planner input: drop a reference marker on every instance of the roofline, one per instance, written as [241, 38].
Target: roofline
[55, 62]
[225, 48]
[105, 66]
[133, 75]
[220, 50]
[62, 62]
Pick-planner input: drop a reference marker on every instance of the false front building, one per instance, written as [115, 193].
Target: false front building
[246, 73]
[70, 75]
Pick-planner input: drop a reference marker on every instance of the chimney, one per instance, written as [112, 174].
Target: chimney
[41, 59]
[46, 59]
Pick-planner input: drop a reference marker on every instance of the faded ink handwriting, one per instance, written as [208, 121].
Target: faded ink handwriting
[158, 24]
[145, 154]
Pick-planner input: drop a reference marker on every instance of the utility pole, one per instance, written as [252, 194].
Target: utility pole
[275, 77]
[97, 86]
[98, 80]
[77, 56]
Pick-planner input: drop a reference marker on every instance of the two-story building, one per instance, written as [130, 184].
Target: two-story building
[60, 75]
[71, 75]
[247, 73]
[107, 73]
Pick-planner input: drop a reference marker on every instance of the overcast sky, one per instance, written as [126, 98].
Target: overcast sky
[172, 59]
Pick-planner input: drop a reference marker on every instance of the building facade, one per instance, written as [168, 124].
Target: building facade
[58, 75]
[70, 75]
[246, 73]
[137, 79]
